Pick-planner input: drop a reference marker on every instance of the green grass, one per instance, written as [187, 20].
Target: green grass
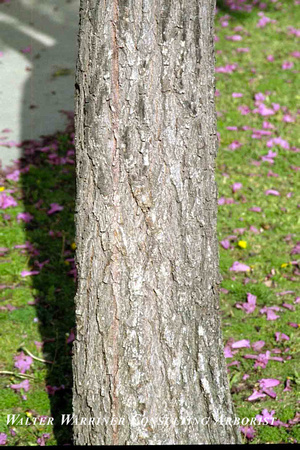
[51, 319]
[266, 251]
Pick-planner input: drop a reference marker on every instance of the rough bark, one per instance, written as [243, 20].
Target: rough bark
[148, 329]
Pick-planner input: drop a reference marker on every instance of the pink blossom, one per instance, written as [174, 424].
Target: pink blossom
[234, 145]
[237, 95]
[41, 264]
[23, 362]
[255, 396]
[233, 363]
[71, 337]
[225, 201]
[270, 58]
[287, 386]
[272, 174]
[3, 438]
[248, 432]
[236, 187]
[253, 229]
[229, 68]
[276, 107]
[296, 249]
[278, 141]
[250, 305]
[227, 352]
[287, 65]
[276, 358]
[239, 230]
[239, 267]
[268, 125]
[295, 54]
[248, 356]
[269, 157]
[23, 385]
[242, 50]
[255, 209]
[259, 97]
[272, 192]
[262, 359]
[268, 382]
[10, 144]
[244, 343]
[42, 440]
[266, 417]
[257, 134]
[264, 21]
[289, 306]
[244, 110]
[6, 201]
[258, 345]
[269, 311]
[225, 244]
[281, 337]
[15, 175]
[263, 110]
[235, 38]
[270, 392]
[288, 118]
[52, 389]
[55, 207]
[224, 291]
[27, 273]
[26, 217]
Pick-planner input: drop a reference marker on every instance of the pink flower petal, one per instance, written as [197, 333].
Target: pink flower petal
[27, 273]
[55, 207]
[239, 267]
[268, 382]
[255, 396]
[23, 362]
[244, 343]
[23, 385]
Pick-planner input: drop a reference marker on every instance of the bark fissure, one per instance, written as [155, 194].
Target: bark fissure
[115, 265]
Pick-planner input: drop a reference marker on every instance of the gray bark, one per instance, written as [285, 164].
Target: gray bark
[148, 329]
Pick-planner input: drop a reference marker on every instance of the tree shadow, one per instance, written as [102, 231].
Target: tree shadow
[52, 181]
[47, 176]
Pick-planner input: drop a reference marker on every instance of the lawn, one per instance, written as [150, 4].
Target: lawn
[256, 99]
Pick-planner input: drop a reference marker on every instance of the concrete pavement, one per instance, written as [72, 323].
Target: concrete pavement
[38, 45]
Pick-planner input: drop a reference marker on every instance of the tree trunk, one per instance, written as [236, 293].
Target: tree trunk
[148, 356]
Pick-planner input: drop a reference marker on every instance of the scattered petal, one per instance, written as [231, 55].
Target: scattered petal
[23, 385]
[239, 267]
[55, 207]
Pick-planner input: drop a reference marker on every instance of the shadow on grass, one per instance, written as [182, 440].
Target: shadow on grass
[51, 179]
